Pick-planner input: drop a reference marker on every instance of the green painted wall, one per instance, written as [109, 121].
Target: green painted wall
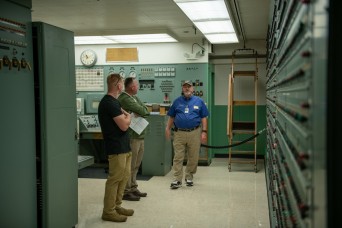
[218, 120]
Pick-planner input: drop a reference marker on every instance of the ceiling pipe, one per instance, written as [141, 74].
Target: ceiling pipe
[233, 10]
[213, 57]
[240, 23]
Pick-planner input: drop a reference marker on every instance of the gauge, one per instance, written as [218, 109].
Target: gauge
[122, 74]
[132, 74]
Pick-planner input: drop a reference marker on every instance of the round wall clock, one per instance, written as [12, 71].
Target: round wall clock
[88, 58]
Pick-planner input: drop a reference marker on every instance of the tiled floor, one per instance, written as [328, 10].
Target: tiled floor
[218, 199]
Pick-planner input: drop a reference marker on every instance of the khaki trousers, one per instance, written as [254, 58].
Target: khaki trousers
[190, 142]
[118, 174]
[137, 147]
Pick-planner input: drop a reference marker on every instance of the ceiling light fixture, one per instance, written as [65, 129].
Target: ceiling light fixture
[91, 40]
[125, 39]
[211, 17]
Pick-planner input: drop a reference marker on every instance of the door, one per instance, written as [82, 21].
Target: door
[55, 103]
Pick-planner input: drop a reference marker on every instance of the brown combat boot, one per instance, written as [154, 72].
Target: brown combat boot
[139, 193]
[124, 211]
[114, 217]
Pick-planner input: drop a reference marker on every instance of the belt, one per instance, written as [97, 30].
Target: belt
[186, 129]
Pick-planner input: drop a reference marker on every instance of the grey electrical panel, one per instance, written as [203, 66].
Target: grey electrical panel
[18, 149]
[291, 115]
[56, 130]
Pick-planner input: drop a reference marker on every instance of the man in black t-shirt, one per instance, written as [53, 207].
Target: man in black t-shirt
[114, 123]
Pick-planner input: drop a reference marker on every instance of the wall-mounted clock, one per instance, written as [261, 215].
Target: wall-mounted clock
[88, 58]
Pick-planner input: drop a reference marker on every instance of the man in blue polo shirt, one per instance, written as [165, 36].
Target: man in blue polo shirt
[188, 117]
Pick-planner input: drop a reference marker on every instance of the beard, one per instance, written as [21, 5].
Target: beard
[187, 94]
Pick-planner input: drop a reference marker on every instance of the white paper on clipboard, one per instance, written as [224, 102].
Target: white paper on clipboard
[138, 124]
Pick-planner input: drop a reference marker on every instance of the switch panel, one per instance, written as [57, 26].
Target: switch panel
[89, 123]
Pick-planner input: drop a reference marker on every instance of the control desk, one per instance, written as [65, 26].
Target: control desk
[89, 127]
[90, 143]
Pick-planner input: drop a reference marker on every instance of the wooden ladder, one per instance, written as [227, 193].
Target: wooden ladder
[239, 130]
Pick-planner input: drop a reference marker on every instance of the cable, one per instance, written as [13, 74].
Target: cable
[192, 49]
[236, 144]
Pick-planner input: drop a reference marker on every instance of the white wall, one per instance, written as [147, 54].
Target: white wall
[244, 87]
[156, 53]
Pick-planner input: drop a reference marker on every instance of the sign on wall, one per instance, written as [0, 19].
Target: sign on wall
[122, 55]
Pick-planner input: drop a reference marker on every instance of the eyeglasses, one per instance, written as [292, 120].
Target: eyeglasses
[116, 77]
[117, 82]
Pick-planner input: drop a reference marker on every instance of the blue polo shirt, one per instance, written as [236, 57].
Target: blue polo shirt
[188, 112]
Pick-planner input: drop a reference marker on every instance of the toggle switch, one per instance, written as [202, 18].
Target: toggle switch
[23, 63]
[7, 62]
[29, 66]
[15, 63]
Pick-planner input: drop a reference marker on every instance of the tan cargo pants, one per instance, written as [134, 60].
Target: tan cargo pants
[183, 142]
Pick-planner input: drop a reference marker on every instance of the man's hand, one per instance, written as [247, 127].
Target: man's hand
[167, 133]
[204, 137]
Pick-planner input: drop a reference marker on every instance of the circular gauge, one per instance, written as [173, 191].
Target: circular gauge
[122, 74]
[132, 74]
[88, 58]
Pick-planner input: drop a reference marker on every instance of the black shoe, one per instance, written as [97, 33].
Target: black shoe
[130, 197]
[140, 194]
[176, 184]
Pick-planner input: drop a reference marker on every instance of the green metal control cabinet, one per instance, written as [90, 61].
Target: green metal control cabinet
[157, 158]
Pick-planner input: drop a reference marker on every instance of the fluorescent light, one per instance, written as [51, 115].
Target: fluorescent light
[215, 26]
[211, 17]
[199, 10]
[222, 38]
[143, 38]
[119, 39]
[92, 40]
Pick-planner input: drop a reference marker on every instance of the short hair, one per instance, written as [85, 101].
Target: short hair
[113, 79]
[128, 81]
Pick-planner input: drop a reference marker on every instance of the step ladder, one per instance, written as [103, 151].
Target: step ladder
[239, 129]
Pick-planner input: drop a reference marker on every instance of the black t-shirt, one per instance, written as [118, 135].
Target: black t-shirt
[116, 141]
